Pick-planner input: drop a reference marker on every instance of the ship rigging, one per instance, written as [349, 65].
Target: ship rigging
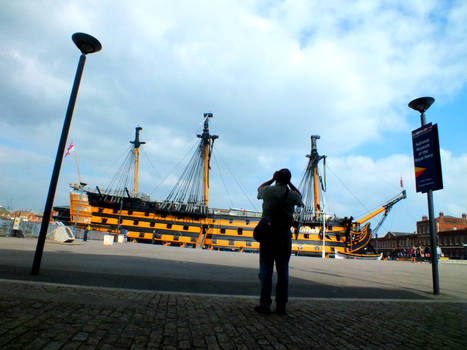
[185, 219]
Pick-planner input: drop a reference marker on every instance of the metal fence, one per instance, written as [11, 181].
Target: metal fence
[29, 229]
[24, 228]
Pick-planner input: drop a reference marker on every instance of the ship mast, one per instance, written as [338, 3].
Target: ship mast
[314, 160]
[136, 143]
[310, 183]
[207, 143]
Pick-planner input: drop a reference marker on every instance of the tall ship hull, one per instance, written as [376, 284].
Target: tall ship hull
[184, 218]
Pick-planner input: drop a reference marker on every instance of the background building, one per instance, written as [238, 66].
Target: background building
[442, 223]
[451, 233]
[26, 215]
[452, 243]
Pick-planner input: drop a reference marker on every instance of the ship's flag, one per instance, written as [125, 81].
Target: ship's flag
[419, 171]
[71, 148]
[402, 184]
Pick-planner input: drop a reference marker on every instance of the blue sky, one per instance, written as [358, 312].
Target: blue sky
[272, 72]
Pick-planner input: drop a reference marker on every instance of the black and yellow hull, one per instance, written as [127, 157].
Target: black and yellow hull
[218, 229]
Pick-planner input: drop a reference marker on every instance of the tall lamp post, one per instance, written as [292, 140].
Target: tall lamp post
[421, 105]
[86, 44]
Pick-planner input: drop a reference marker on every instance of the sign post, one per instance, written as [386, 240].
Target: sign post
[427, 159]
[428, 176]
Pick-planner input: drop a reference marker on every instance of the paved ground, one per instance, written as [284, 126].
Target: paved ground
[336, 304]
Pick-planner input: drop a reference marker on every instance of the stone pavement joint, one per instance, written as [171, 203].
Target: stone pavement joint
[45, 316]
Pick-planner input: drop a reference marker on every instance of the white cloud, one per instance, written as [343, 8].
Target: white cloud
[453, 198]
[273, 73]
[357, 185]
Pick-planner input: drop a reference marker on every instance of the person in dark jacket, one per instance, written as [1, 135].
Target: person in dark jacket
[278, 207]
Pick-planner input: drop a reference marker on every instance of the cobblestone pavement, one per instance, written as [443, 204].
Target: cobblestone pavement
[47, 316]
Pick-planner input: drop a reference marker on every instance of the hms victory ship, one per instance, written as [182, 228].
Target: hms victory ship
[185, 218]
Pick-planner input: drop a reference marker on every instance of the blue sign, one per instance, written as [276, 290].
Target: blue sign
[427, 158]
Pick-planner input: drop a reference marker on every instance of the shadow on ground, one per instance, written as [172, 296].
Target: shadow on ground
[166, 275]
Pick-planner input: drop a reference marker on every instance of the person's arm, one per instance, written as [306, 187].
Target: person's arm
[269, 182]
[299, 195]
[293, 188]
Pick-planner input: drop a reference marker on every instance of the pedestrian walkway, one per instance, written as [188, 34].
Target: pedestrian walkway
[140, 296]
[37, 315]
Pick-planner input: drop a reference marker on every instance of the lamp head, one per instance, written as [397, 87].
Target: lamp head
[421, 104]
[86, 43]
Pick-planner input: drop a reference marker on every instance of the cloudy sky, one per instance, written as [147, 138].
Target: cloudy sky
[273, 73]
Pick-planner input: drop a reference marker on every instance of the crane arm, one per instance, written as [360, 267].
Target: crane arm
[385, 207]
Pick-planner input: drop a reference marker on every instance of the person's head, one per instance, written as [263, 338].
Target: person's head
[283, 176]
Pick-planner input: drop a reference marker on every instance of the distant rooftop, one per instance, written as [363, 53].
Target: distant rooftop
[394, 234]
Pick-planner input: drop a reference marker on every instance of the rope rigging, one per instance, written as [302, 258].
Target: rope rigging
[122, 177]
[306, 187]
[192, 186]
[237, 182]
[312, 185]
[176, 166]
[190, 183]
[118, 186]
[223, 181]
[348, 190]
[147, 159]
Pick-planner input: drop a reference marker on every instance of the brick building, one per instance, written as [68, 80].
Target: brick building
[452, 243]
[442, 223]
[26, 215]
[451, 236]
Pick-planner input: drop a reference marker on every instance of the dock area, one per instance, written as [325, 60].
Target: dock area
[142, 296]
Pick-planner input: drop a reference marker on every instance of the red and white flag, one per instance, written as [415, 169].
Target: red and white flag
[71, 148]
[402, 185]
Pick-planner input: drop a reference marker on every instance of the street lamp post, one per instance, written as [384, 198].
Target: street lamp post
[86, 44]
[421, 105]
